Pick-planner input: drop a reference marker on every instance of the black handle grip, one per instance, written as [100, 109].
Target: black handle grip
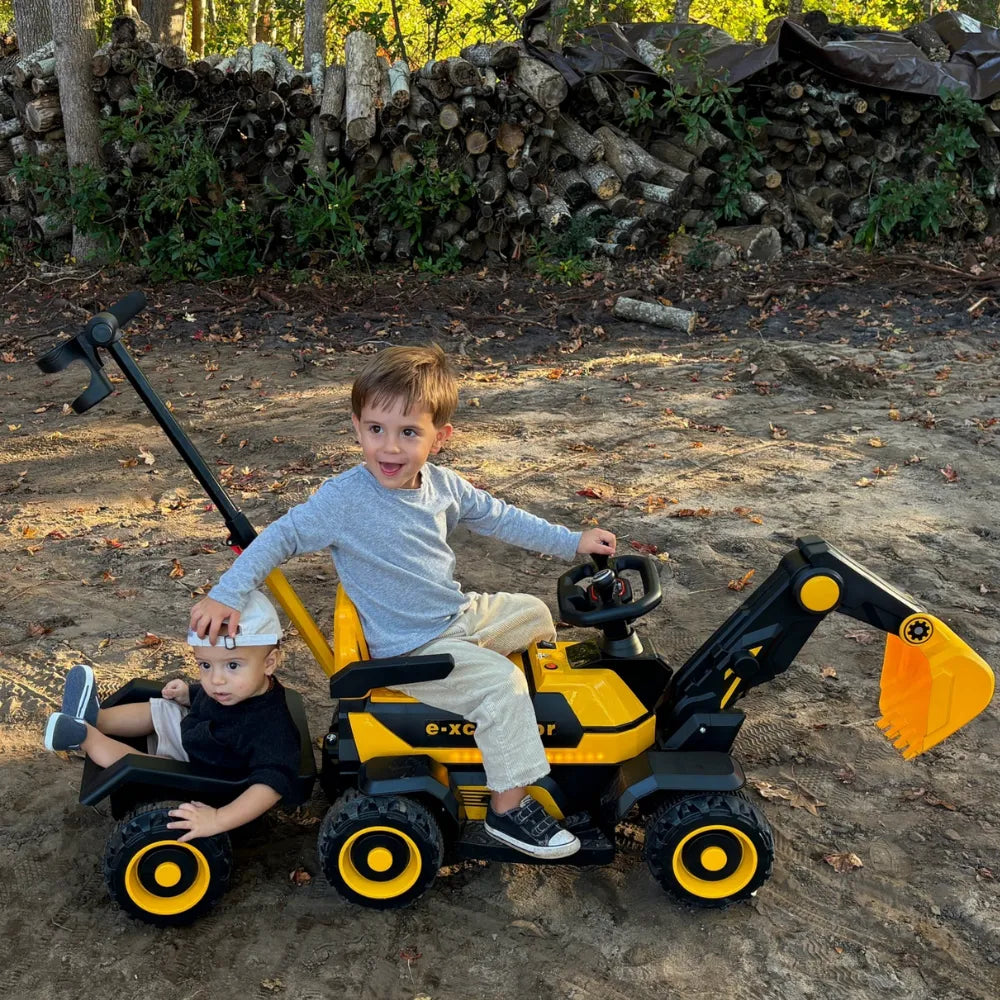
[126, 309]
[569, 601]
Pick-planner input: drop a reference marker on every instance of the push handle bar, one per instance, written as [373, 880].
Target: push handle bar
[103, 332]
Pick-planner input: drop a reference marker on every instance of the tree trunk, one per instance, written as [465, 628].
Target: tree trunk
[314, 35]
[253, 10]
[198, 27]
[74, 32]
[682, 11]
[32, 23]
[166, 20]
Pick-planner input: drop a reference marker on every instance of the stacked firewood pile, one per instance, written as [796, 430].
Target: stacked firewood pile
[539, 157]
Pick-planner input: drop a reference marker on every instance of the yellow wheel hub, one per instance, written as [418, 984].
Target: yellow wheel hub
[720, 868]
[380, 862]
[168, 874]
[167, 865]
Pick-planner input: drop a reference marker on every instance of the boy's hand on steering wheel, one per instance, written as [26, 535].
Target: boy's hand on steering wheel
[208, 618]
[596, 541]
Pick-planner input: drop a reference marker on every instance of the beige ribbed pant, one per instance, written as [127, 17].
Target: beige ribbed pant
[487, 689]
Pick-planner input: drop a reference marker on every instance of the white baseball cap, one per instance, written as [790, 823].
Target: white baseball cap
[258, 626]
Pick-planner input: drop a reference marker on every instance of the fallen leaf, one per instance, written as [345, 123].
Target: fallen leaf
[409, 953]
[690, 512]
[861, 636]
[864, 481]
[876, 442]
[128, 463]
[13, 427]
[149, 640]
[299, 876]
[146, 456]
[796, 798]
[645, 548]
[178, 570]
[894, 415]
[35, 629]
[845, 861]
[272, 985]
[113, 543]
[828, 672]
[742, 582]
[104, 643]
[28, 532]
[778, 433]
[949, 474]
[554, 373]
[589, 491]
[57, 534]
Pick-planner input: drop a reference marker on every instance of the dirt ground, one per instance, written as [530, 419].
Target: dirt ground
[831, 394]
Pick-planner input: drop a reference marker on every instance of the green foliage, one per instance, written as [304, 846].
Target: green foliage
[320, 213]
[449, 261]
[904, 208]
[562, 257]
[640, 107]
[920, 207]
[416, 198]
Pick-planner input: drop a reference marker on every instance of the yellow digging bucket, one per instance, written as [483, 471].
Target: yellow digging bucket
[933, 683]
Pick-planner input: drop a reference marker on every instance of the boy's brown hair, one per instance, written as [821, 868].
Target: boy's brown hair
[420, 376]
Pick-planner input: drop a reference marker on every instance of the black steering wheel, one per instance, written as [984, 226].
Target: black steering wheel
[609, 598]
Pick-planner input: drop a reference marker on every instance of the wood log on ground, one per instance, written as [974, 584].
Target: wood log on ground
[399, 84]
[21, 73]
[544, 85]
[173, 57]
[43, 113]
[49, 227]
[668, 317]
[127, 30]
[603, 180]
[204, 65]
[496, 55]
[263, 69]
[363, 83]
[572, 186]
[757, 243]
[461, 73]
[332, 108]
[709, 253]
[122, 60]
[509, 137]
[242, 67]
[673, 154]
[819, 219]
[585, 147]
[656, 193]
[555, 214]
[10, 128]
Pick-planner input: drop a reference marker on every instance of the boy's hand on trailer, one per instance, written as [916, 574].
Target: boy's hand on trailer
[197, 819]
[177, 690]
[596, 541]
[209, 616]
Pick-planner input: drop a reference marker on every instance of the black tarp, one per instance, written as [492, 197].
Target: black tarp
[884, 60]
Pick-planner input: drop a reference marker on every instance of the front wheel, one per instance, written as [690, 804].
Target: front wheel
[380, 852]
[709, 849]
[158, 880]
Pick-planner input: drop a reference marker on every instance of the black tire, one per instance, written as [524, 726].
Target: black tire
[380, 852]
[709, 849]
[154, 878]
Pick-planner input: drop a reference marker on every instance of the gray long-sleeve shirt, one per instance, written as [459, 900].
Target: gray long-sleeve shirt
[390, 549]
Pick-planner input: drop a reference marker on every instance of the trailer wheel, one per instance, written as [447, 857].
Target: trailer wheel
[158, 880]
[709, 849]
[380, 852]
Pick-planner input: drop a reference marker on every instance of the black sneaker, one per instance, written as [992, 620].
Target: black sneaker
[530, 829]
[79, 695]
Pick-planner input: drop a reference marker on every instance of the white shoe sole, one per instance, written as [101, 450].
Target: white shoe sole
[560, 851]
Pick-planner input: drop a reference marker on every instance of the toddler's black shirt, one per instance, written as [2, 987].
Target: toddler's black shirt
[255, 737]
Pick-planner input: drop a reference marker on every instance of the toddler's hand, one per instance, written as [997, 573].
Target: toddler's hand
[596, 541]
[198, 819]
[177, 690]
[208, 617]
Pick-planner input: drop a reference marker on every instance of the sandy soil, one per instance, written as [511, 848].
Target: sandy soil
[822, 396]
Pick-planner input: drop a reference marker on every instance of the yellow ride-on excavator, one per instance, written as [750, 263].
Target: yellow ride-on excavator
[626, 735]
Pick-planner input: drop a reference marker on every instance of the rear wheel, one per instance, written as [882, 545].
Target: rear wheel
[158, 880]
[710, 849]
[380, 852]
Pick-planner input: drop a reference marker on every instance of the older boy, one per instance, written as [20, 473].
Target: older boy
[235, 718]
[386, 523]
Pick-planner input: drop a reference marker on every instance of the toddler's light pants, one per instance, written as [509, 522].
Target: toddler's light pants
[487, 689]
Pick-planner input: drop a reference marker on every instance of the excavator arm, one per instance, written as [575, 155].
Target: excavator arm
[932, 682]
